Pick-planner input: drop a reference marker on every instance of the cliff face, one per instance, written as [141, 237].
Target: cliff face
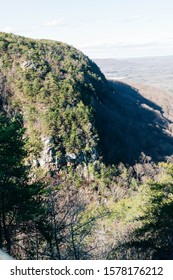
[54, 87]
[72, 114]
[136, 123]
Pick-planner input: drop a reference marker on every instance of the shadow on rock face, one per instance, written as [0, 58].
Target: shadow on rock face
[130, 125]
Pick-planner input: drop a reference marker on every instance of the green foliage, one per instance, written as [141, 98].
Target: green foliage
[54, 85]
[18, 202]
[158, 218]
[152, 238]
[63, 96]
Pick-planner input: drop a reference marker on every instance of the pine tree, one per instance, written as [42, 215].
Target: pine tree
[18, 195]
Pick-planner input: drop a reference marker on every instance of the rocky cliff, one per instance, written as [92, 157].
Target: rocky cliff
[54, 87]
[72, 114]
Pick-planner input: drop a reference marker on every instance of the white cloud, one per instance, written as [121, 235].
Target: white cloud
[130, 44]
[132, 18]
[129, 48]
[55, 22]
[8, 29]
[15, 29]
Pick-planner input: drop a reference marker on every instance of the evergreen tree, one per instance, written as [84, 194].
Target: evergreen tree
[18, 202]
[153, 239]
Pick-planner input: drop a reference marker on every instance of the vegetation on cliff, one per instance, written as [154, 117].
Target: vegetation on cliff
[64, 133]
[54, 87]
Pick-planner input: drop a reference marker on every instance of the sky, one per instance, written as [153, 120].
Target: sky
[99, 28]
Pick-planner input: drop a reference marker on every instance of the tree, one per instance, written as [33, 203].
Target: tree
[72, 222]
[18, 195]
[156, 234]
[153, 239]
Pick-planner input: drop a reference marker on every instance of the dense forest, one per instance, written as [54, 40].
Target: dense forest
[86, 166]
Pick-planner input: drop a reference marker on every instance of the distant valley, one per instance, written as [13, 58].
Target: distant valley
[153, 71]
[143, 100]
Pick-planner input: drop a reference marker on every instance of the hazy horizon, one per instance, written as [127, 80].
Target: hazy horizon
[135, 57]
[152, 71]
[100, 29]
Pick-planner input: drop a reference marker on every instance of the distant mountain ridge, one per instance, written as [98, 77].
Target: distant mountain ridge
[152, 71]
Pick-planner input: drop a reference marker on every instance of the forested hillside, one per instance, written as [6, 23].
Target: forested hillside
[85, 164]
[54, 87]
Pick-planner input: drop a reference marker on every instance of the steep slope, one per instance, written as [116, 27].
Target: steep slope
[163, 98]
[72, 114]
[54, 87]
[134, 123]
